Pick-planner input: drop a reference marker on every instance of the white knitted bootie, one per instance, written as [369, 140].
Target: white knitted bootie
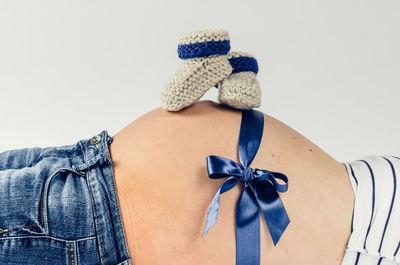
[205, 64]
[241, 89]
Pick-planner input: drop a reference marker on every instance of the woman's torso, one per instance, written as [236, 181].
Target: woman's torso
[159, 162]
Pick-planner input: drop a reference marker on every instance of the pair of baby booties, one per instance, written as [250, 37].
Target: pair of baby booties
[208, 63]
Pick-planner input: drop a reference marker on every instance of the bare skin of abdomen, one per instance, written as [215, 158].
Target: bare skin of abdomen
[159, 164]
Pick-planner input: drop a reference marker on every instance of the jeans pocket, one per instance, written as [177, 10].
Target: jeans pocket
[23, 198]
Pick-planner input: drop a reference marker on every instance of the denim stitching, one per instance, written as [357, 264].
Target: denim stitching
[75, 254]
[91, 162]
[95, 220]
[69, 254]
[46, 236]
[93, 205]
[77, 251]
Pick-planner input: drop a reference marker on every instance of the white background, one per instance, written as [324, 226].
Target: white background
[328, 69]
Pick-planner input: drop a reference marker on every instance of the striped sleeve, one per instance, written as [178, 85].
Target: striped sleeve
[375, 236]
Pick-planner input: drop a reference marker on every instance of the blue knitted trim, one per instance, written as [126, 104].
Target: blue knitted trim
[243, 63]
[203, 49]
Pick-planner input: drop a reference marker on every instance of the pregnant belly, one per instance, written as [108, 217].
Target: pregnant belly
[164, 216]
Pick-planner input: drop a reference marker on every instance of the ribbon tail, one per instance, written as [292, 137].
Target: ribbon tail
[212, 214]
[247, 229]
[272, 208]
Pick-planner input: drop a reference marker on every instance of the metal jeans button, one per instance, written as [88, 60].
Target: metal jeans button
[95, 139]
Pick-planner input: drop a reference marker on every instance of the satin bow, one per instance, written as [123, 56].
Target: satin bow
[260, 190]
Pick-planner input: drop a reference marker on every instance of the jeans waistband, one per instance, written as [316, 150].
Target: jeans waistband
[97, 164]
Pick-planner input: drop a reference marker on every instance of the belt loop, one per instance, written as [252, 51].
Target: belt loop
[95, 150]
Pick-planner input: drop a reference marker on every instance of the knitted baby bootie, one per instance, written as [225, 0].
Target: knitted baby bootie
[241, 89]
[205, 64]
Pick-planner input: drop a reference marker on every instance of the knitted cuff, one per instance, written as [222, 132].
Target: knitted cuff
[241, 62]
[203, 43]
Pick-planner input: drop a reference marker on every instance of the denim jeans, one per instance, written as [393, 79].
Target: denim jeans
[59, 205]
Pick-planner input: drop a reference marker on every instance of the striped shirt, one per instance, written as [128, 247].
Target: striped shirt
[375, 225]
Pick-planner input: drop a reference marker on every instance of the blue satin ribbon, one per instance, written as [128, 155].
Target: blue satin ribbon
[260, 191]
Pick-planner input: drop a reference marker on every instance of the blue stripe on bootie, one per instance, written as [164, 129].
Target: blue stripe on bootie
[203, 49]
[243, 63]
